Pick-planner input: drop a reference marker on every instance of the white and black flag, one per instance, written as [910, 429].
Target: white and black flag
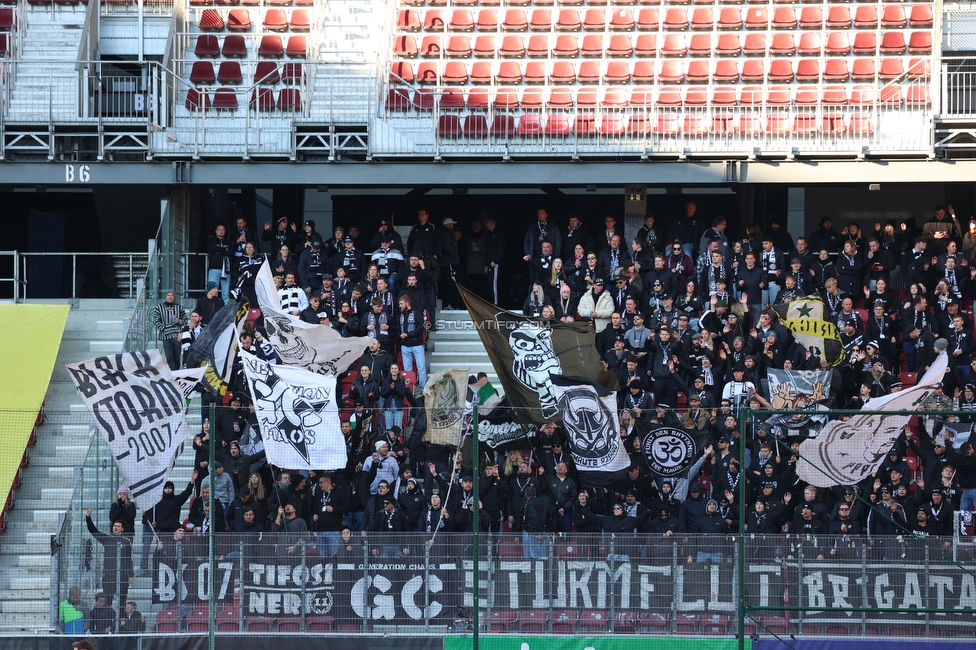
[589, 416]
[139, 405]
[670, 451]
[297, 414]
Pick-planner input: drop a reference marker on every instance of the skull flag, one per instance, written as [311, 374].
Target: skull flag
[526, 353]
[317, 348]
[297, 414]
[589, 415]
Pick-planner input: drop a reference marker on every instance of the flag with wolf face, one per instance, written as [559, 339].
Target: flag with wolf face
[589, 416]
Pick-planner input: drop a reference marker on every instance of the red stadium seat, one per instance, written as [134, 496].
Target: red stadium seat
[920, 43]
[622, 20]
[515, 21]
[724, 97]
[617, 72]
[755, 45]
[807, 71]
[568, 21]
[228, 620]
[423, 99]
[167, 621]
[271, 46]
[638, 125]
[653, 622]
[532, 621]
[694, 125]
[267, 72]
[646, 45]
[455, 72]
[275, 20]
[715, 625]
[430, 47]
[836, 70]
[225, 99]
[487, 20]
[784, 18]
[475, 126]
[195, 100]
[778, 124]
[750, 125]
[726, 71]
[397, 99]
[700, 45]
[262, 99]
[229, 72]
[676, 20]
[667, 124]
[408, 20]
[805, 124]
[806, 96]
[258, 624]
[728, 45]
[513, 47]
[674, 46]
[648, 20]
[558, 124]
[863, 70]
[920, 16]
[211, 20]
[501, 620]
[426, 73]
[297, 47]
[207, 46]
[300, 21]
[292, 73]
[779, 97]
[838, 44]
[730, 18]
[893, 43]
[686, 623]
[594, 20]
[811, 18]
[589, 72]
[671, 72]
[918, 95]
[781, 70]
[919, 68]
[484, 46]
[756, 18]
[434, 20]
[866, 17]
[620, 45]
[893, 17]
[449, 126]
[593, 45]
[239, 20]
[783, 44]
[198, 619]
[290, 99]
[698, 72]
[234, 46]
[202, 72]
[560, 98]
[564, 621]
[811, 44]
[462, 20]
[541, 20]
[644, 72]
[702, 19]
[509, 72]
[838, 17]
[891, 69]
[405, 47]
[753, 71]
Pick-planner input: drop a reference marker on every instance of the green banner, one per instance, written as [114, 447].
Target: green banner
[617, 642]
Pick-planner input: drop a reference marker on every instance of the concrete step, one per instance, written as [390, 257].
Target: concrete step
[30, 620]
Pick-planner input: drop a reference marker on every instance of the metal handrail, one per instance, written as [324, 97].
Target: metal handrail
[19, 279]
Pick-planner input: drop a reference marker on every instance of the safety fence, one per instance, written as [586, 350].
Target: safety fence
[416, 583]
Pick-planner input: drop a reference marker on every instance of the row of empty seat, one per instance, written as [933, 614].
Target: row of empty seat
[620, 3]
[722, 71]
[675, 19]
[890, 96]
[239, 20]
[270, 46]
[262, 99]
[231, 3]
[675, 46]
[240, 46]
[231, 72]
[663, 124]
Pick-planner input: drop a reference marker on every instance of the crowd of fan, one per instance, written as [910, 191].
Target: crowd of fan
[685, 320]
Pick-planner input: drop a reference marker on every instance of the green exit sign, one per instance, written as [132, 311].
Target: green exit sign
[635, 197]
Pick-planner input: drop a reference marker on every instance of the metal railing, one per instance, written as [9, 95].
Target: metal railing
[123, 269]
[550, 583]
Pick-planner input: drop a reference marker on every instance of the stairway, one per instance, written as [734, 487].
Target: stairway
[45, 80]
[95, 327]
[457, 344]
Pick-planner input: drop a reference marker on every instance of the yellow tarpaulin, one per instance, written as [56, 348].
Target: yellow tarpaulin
[33, 334]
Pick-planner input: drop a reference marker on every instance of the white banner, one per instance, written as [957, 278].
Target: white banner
[847, 451]
[590, 419]
[264, 287]
[448, 407]
[139, 405]
[297, 414]
[317, 348]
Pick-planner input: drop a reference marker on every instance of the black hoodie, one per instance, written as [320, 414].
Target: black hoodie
[166, 513]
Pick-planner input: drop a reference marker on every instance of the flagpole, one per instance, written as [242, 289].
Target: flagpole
[476, 527]
[212, 553]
